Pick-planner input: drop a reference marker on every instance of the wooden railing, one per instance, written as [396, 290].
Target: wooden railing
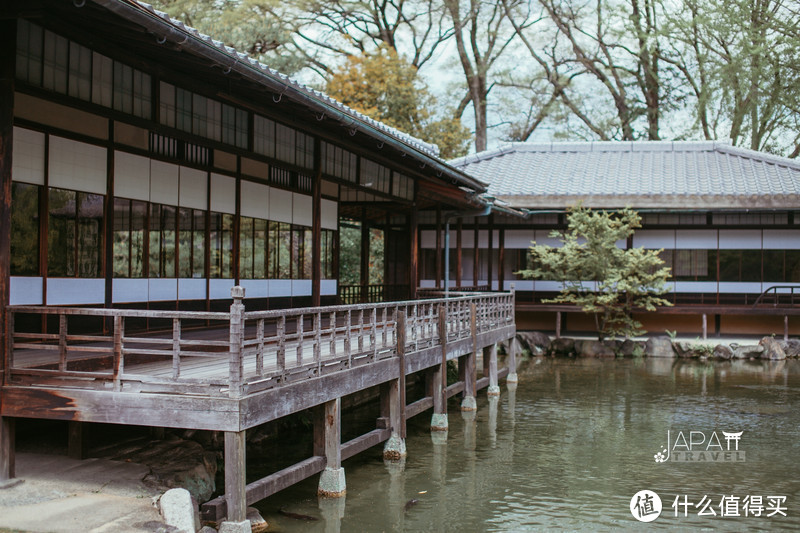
[355, 294]
[239, 352]
[778, 295]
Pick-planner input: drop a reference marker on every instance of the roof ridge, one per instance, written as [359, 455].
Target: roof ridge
[760, 156]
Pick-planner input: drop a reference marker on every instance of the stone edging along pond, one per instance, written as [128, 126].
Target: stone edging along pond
[768, 348]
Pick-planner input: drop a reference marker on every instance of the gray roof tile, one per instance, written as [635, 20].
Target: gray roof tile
[668, 174]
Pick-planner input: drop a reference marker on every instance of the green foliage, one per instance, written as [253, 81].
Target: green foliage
[350, 254]
[598, 276]
[386, 87]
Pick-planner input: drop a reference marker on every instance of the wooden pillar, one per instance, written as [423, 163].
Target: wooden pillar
[108, 230]
[235, 475]
[331, 482]
[8, 42]
[459, 229]
[468, 402]
[413, 257]
[75, 440]
[558, 324]
[364, 257]
[512, 361]
[316, 228]
[705, 326]
[786, 328]
[489, 265]
[501, 261]
[395, 447]
[439, 418]
[494, 389]
[476, 271]
[438, 261]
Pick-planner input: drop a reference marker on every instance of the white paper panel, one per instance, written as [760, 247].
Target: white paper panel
[193, 190]
[129, 290]
[302, 210]
[483, 239]
[740, 287]
[427, 283]
[327, 287]
[519, 238]
[280, 288]
[654, 239]
[695, 286]
[131, 176]
[689, 239]
[552, 286]
[163, 289]
[220, 289]
[28, 156]
[255, 200]
[301, 287]
[77, 166]
[520, 285]
[740, 239]
[191, 289]
[329, 214]
[163, 183]
[75, 291]
[255, 288]
[781, 239]
[26, 291]
[280, 206]
[223, 194]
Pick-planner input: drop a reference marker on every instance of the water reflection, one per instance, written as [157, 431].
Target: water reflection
[569, 446]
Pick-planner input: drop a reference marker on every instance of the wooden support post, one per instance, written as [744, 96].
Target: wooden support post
[489, 265]
[7, 451]
[438, 261]
[705, 326]
[491, 352]
[501, 261]
[786, 327]
[235, 475]
[439, 418]
[459, 254]
[316, 228]
[512, 361]
[236, 365]
[331, 482]
[75, 440]
[476, 271]
[468, 402]
[413, 263]
[558, 324]
[364, 258]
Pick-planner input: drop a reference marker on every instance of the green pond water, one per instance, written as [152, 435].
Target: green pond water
[571, 446]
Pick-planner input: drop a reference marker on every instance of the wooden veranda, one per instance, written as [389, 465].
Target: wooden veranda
[237, 370]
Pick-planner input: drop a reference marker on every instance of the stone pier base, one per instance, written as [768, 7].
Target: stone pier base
[235, 527]
[439, 422]
[512, 378]
[395, 448]
[468, 404]
[332, 483]
[494, 390]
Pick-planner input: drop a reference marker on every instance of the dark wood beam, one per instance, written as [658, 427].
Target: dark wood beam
[316, 227]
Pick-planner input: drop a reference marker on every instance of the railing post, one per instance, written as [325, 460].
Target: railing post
[62, 342]
[119, 360]
[439, 418]
[705, 326]
[395, 448]
[176, 348]
[236, 369]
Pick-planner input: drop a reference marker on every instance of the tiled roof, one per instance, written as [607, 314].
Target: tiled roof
[652, 174]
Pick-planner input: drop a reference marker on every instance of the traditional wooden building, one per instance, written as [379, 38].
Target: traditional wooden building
[145, 164]
[726, 218]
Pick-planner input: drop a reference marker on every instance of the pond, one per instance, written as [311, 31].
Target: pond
[572, 445]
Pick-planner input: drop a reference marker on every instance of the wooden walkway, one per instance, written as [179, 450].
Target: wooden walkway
[247, 368]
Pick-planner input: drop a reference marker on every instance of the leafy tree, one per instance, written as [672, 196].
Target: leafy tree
[386, 87]
[597, 275]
